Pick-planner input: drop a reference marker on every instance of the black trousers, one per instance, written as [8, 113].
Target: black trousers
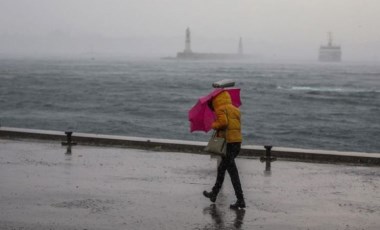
[228, 164]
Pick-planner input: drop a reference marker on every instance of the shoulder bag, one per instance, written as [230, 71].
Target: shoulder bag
[217, 145]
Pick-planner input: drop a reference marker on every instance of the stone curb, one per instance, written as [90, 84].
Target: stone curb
[307, 155]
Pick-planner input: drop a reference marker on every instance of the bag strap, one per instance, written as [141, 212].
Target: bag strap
[228, 123]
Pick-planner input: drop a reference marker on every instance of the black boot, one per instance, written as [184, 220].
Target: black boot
[210, 195]
[239, 204]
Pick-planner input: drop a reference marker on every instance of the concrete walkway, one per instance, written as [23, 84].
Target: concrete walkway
[120, 188]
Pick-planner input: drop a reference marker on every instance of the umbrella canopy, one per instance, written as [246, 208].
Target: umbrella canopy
[201, 116]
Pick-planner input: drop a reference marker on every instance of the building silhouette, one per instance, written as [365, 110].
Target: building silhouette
[330, 52]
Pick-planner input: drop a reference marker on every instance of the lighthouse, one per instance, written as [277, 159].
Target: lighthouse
[240, 49]
[187, 42]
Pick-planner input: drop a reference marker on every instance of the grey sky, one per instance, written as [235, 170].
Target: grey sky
[270, 28]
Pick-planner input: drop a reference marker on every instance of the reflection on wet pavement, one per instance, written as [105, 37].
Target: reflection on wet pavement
[220, 221]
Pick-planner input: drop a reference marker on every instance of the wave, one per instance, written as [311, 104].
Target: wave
[328, 89]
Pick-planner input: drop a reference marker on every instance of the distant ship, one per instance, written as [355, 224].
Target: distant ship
[189, 54]
[330, 52]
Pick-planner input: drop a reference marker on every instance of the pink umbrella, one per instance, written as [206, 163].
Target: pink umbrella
[201, 116]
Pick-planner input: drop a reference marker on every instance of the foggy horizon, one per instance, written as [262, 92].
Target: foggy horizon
[271, 30]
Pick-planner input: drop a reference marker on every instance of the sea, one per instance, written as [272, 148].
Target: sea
[312, 105]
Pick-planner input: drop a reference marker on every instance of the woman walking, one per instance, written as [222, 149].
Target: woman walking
[227, 125]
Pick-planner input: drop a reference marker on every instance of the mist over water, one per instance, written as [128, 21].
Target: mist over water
[270, 30]
[309, 105]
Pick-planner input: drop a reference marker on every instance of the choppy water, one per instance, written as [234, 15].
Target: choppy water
[314, 105]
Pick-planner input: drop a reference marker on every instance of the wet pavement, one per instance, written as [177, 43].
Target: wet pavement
[41, 187]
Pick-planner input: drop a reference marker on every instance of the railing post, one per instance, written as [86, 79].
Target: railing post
[69, 142]
[267, 158]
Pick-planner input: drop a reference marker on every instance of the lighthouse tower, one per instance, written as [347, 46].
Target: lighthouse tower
[187, 42]
[240, 50]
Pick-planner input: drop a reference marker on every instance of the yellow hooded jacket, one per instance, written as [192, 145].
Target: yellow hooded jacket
[227, 116]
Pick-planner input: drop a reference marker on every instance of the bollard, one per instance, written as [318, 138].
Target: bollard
[69, 142]
[268, 158]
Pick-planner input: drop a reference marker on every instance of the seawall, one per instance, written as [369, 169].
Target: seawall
[306, 155]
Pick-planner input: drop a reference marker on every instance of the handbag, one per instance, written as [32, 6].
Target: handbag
[218, 145]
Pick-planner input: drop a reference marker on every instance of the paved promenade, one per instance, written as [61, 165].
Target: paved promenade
[41, 187]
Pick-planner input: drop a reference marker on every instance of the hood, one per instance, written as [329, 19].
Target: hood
[221, 99]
